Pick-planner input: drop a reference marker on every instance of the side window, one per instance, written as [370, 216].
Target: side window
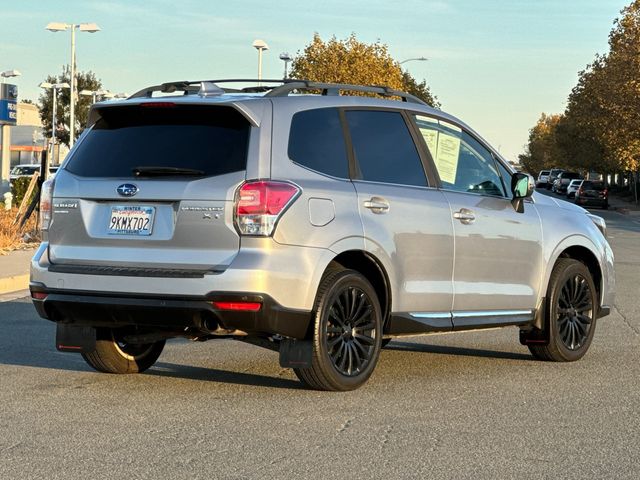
[463, 164]
[384, 149]
[316, 141]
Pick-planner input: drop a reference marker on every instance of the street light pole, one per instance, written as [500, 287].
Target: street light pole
[260, 45]
[54, 92]
[286, 58]
[83, 27]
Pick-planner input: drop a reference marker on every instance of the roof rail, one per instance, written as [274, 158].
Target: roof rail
[192, 87]
[285, 87]
[335, 88]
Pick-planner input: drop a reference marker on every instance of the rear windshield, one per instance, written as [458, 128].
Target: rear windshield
[209, 139]
[592, 185]
[566, 175]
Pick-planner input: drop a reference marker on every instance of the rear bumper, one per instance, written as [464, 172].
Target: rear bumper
[173, 313]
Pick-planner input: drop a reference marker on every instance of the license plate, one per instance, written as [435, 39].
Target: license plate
[131, 220]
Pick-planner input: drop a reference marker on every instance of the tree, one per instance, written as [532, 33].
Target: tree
[355, 62]
[542, 151]
[84, 81]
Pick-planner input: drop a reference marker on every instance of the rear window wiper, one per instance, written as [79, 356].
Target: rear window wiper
[165, 171]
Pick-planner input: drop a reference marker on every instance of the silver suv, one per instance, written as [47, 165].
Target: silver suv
[320, 225]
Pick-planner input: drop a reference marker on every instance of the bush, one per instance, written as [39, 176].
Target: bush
[19, 188]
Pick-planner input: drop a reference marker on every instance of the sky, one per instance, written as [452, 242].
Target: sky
[495, 64]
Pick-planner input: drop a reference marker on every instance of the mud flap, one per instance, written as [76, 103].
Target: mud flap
[295, 353]
[73, 338]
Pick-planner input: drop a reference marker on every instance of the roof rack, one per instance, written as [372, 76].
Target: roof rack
[335, 88]
[285, 87]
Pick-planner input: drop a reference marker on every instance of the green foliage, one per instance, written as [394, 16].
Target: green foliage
[19, 188]
[355, 62]
[84, 81]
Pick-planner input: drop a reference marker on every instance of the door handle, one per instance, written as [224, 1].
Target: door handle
[377, 205]
[465, 216]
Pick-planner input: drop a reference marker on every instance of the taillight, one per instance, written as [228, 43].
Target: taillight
[46, 207]
[580, 191]
[260, 204]
[605, 192]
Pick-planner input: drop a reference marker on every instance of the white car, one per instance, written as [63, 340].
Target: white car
[573, 187]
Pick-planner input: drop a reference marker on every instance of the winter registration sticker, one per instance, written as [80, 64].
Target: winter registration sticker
[131, 220]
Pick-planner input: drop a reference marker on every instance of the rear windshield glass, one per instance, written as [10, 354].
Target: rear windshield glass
[212, 140]
[592, 185]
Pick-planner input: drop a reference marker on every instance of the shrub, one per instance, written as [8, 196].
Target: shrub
[19, 188]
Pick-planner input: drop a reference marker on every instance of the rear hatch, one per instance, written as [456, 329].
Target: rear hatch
[594, 190]
[150, 189]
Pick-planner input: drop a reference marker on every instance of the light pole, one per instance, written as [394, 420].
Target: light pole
[9, 74]
[286, 58]
[54, 92]
[94, 94]
[83, 27]
[260, 45]
[417, 59]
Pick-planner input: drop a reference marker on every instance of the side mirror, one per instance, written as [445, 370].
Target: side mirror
[522, 186]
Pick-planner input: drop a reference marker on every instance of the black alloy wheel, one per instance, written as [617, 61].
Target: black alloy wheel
[574, 312]
[571, 308]
[347, 332]
[350, 331]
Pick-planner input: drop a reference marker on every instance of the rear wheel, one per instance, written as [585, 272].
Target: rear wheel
[571, 307]
[114, 355]
[347, 333]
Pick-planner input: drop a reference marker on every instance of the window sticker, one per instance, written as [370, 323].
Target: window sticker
[447, 157]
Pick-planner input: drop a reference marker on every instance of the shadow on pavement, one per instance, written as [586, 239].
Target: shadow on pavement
[163, 369]
[28, 341]
[458, 351]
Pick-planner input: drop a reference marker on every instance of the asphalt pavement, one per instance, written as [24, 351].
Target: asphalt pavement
[466, 405]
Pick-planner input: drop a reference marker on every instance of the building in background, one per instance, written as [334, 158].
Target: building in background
[27, 136]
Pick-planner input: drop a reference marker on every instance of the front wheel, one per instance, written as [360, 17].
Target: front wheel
[113, 354]
[347, 333]
[571, 313]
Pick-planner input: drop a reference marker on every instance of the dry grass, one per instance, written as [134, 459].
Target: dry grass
[13, 239]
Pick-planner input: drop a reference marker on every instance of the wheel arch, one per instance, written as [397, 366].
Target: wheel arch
[373, 270]
[578, 248]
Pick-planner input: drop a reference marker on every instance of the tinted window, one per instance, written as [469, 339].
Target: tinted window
[463, 164]
[570, 175]
[211, 139]
[316, 141]
[384, 149]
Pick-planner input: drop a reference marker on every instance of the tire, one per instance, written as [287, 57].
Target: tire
[571, 308]
[345, 348]
[112, 355]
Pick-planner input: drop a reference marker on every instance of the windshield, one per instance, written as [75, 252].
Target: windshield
[212, 140]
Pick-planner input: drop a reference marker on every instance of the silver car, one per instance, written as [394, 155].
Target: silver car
[318, 225]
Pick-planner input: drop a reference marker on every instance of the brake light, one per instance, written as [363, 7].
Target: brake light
[260, 204]
[580, 191]
[46, 207]
[158, 104]
[605, 192]
[39, 295]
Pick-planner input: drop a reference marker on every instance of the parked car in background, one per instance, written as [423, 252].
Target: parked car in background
[553, 175]
[23, 170]
[592, 194]
[573, 187]
[543, 178]
[562, 182]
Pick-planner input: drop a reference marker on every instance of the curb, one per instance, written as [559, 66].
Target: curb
[13, 284]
